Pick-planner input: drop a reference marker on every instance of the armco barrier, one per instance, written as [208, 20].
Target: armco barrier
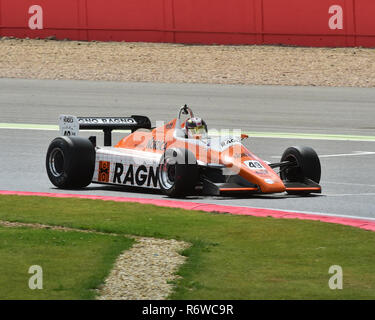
[295, 22]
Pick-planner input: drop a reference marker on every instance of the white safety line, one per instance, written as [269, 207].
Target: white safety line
[355, 153]
[348, 194]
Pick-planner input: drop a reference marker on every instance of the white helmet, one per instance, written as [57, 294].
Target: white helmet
[195, 128]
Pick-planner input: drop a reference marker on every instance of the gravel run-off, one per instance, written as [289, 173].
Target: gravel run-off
[178, 63]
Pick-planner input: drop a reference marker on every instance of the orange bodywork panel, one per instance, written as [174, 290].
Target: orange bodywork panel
[230, 153]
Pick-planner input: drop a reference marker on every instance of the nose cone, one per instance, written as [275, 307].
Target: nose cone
[259, 173]
[253, 169]
[271, 185]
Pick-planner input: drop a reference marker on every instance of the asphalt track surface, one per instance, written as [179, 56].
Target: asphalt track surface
[348, 173]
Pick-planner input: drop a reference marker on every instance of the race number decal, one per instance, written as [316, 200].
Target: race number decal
[103, 174]
[254, 165]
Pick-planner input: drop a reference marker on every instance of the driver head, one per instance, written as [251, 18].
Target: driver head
[196, 128]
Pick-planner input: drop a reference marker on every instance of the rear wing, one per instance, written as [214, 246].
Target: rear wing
[70, 125]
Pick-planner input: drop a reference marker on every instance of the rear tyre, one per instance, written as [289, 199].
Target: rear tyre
[178, 172]
[70, 162]
[307, 165]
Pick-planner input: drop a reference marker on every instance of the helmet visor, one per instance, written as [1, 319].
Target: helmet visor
[198, 131]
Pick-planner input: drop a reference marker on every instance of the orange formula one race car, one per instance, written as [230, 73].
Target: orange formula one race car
[178, 157]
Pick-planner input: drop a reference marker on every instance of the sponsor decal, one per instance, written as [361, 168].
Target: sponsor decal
[229, 141]
[269, 181]
[95, 120]
[68, 119]
[262, 172]
[254, 165]
[139, 176]
[241, 155]
[103, 174]
[156, 144]
[169, 125]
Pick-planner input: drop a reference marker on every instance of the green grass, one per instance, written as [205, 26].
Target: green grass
[232, 257]
[73, 263]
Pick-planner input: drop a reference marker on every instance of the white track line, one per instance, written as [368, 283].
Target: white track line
[355, 153]
[348, 194]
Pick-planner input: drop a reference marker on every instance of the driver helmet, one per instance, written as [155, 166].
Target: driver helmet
[196, 128]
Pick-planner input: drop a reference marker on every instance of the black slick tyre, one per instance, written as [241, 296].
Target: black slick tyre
[70, 162]
[306, 166]
[178, 172]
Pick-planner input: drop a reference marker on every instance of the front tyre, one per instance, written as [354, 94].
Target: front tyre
[178, 172]
[70, 162]
[305, 165]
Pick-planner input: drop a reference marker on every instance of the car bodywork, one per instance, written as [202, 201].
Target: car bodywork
[225, 165]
